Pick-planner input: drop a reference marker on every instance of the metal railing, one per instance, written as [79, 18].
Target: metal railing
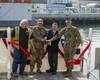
[67, 10]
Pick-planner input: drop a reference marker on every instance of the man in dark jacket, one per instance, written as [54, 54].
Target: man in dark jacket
[53, 49]
[21, 36]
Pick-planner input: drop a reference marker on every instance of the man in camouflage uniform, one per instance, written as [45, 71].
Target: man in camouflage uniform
[38, 41]
[72, 41]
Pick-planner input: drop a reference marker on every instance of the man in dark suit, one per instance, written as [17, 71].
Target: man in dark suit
[53, 49]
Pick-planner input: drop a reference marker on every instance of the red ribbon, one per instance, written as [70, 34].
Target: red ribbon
[68, 62]
[77, 61]
[5, 42]
[22, 49]
[85, 49]
[61, 53]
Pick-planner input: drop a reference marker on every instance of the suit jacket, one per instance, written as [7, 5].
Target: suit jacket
[54, 44]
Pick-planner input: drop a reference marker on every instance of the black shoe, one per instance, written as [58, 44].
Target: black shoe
[68, 75]
[14, 74]
[23, 73]
[31, 73]
[54, 73]
[39, 71]
[49, 70]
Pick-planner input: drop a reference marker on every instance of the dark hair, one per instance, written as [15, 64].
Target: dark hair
[55, 23]
[68, 18]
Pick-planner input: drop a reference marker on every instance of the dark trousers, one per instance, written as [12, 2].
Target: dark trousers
[19, 60]
[53, 59]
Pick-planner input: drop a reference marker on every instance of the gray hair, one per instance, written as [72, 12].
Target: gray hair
[22, 21]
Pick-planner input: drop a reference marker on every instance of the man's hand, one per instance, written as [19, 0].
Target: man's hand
[16, 45]
[48, 41]
[44, 39]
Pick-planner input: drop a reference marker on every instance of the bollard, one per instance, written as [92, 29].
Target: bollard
[9, 57]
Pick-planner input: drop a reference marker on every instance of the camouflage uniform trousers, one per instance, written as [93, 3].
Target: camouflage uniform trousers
[37, 58]
[69, 54]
